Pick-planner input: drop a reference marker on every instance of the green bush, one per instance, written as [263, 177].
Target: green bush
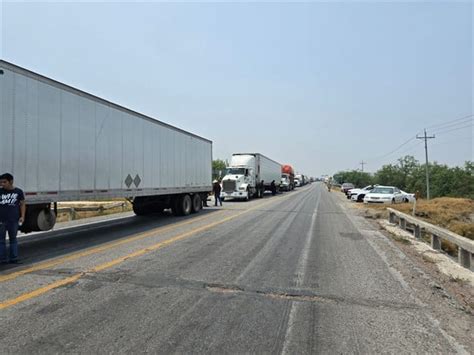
[409, 175]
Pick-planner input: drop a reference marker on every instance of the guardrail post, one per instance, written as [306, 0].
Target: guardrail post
[392, 217]
[464, 257]
[403, 223]
[417, 231]
[435, 242]
[72, 214]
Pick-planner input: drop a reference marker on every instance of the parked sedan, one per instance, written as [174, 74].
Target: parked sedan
[384, 194]
[358, 195]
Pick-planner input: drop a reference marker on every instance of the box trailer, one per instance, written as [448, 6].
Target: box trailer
[250, 175]
[63, 144]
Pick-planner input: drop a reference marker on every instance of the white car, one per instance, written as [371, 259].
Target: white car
[358, 195]
[384, 195]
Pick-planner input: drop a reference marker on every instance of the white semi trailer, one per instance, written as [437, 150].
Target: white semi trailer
[246, 173]
[63, 144]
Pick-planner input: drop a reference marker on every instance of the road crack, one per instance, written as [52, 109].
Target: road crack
[154, 281]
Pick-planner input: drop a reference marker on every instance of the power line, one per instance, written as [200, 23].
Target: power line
[448, 122]
[394, 150]
[425, 137]
[463, 122]
[454, 129]
[440, 128]
[409, 149]
[461, 139]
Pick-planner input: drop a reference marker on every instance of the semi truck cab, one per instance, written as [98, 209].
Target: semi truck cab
[285, 183]
[249, 175]
[239, 182]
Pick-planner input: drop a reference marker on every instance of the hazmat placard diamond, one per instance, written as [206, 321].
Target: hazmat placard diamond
[128, 180]
[137, 180]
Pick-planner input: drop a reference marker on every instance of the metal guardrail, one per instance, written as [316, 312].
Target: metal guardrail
[465, 245]
[73, 210]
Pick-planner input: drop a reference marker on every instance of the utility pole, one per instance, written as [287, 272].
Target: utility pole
[362, 163]
[425, 137]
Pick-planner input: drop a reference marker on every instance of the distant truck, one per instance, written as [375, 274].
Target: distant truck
[300, 180]
[246, 173]
[287, 178]
[63, 144]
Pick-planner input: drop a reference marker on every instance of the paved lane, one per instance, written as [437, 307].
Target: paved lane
[290, 274]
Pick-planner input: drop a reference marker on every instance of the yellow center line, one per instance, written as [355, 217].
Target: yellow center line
[102, 248]
[42, 290]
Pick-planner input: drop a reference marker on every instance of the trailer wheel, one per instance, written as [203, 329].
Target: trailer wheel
[38, 218]
[187, 205]
[197, 203]
[182, 205]
[139, 209]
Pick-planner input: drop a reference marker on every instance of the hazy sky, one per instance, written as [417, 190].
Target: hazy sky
[319, 85]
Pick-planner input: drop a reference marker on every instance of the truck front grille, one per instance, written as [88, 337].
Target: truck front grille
[228, 185]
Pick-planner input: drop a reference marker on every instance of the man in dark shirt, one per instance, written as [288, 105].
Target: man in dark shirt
[12, 216]
[273, 187]
[216, 189]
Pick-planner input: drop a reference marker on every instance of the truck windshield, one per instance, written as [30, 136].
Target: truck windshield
[236, 171]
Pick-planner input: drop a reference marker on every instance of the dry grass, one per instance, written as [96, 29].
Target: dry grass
[454, 214]
[66, 216]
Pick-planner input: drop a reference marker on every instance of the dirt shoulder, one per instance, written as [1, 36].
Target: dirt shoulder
[446, 211]
[447, 301]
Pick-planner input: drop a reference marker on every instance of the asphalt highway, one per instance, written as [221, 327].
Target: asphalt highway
[290, 274]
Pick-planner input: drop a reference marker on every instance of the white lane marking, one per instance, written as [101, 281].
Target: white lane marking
[300, 274]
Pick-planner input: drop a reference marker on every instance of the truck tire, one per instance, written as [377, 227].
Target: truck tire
[197, 203]
[38, 218]
[182, 205]
[139, 209]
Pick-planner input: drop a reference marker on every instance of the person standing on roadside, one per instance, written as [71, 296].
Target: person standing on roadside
[273, 188]
[216, 189]
[329, 183]
[12, 216]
